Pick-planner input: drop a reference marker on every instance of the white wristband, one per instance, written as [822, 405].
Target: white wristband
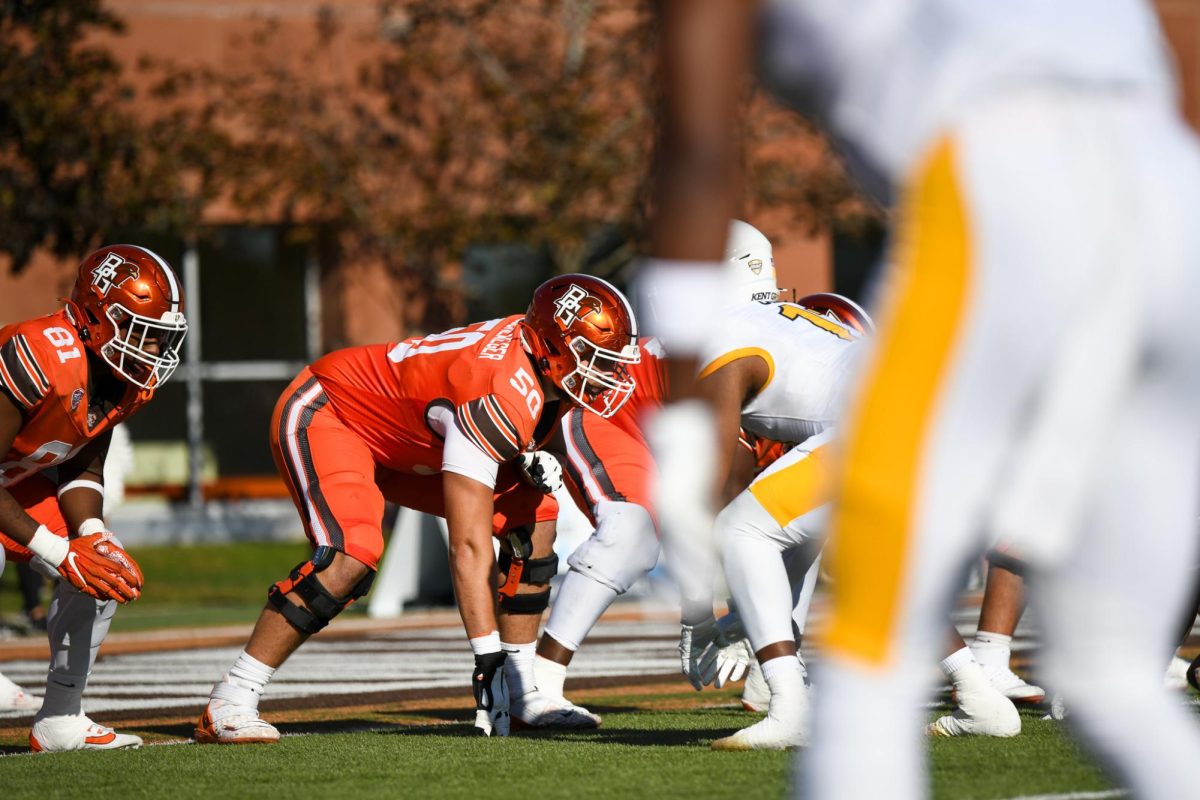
[92, 525]
[48, 547]
[488, 643]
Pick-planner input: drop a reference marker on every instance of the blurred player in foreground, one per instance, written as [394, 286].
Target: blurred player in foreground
[434, 423]
[611, 474]
[1035, 369]
[66, 379]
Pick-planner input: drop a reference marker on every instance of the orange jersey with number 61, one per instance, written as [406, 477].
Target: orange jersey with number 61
[385, 393]
[44, 371]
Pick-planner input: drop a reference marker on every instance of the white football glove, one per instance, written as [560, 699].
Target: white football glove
[541, 470]
[491, 694]
[734, 652]
[697, 660]
[732, 661]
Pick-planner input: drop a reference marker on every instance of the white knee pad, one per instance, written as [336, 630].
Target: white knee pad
[3, 560]
[623, 548]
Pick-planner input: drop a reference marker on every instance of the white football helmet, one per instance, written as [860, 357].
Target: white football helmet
[750, 264]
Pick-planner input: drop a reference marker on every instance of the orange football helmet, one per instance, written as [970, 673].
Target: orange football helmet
[128, 307]
[839, 309]
[581, 333]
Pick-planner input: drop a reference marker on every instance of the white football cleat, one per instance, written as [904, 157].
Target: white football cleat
[14, 698]
[1012, 686]
[76, 732]
[538, 710]
[784, 727]
[1176, 677]
[979, 713]
[756, 694]
[233, 724]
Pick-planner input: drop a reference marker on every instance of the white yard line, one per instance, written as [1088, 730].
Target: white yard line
[380, 662]
[1101, 795]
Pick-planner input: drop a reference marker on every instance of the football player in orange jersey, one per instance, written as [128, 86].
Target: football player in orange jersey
[434, 423]
[66, 379]
[611, 474]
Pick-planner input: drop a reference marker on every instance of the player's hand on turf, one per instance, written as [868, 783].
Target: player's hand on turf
[542, 470]
[696, 659]
[733, 661]
[97, 566]
[491, 694]
[733, 651]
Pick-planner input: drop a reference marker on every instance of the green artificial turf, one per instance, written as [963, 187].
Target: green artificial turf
[193, 585]
[639, 752]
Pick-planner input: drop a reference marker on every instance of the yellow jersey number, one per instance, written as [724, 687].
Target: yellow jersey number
[794, 312]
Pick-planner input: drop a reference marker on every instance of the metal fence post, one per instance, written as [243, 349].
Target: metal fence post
[195, 386]
[312, 306]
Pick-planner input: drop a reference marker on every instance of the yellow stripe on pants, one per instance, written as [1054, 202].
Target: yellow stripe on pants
[871, 530]
[797, 489]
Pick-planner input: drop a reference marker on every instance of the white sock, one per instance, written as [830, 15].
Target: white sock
[992, 649]
[518, 667]
[580, 602]
[964, 672]
[783, 673]
[550, 676]
[244, 683]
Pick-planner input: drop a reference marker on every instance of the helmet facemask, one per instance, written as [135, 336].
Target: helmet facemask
[128, 351]
[600, 382]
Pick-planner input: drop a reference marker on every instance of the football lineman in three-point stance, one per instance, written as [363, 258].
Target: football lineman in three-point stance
[611, 473]
[66, 380]
[777, 371]
[434, 423]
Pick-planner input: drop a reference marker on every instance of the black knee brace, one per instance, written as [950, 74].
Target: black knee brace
[998, 558]
[534, 603]
[321, 605]
[528, 571]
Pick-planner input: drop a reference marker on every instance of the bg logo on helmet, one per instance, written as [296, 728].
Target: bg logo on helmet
[575, 304]
[113, 271]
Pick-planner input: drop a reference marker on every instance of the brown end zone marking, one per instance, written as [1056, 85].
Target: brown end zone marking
[233, 635]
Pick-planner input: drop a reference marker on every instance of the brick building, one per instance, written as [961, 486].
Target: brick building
[246, 352]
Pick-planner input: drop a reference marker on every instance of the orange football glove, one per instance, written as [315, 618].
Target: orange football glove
[97, 566]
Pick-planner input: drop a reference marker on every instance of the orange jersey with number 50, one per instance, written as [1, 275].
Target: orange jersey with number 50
[385, 393]
[44, 370]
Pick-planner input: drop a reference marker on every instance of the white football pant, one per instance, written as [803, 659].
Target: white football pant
[770, 539]
[621, 551]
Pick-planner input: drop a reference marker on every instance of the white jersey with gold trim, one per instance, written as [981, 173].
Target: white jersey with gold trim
[808, 356]
[888, 75]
